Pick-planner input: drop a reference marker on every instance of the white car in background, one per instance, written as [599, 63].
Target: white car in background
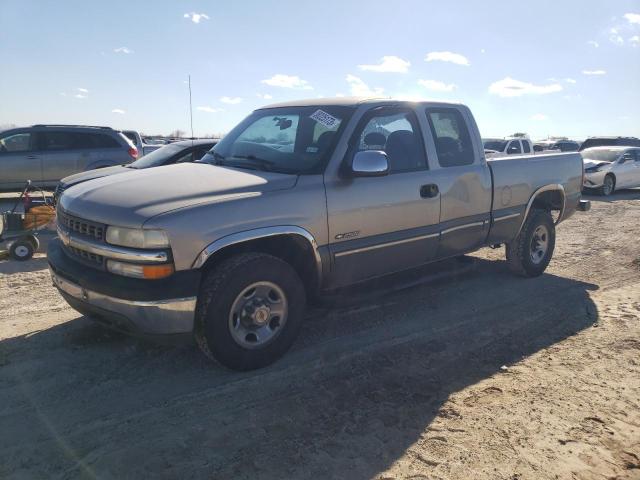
[609, 168]
[502, 147]
[136, 139]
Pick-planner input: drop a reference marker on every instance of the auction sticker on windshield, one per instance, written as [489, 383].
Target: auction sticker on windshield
[325, 119]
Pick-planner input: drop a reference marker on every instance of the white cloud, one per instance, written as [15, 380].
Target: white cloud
[447, 57]
[80, 95]
[570, 80]
[123, 50]
[437, 86]
[482, 50]
[231, 100]
[594, 72]
[509, 87]
[634, 41]
[633, 17]
[118, 111]
[196, 17]
[287, 81]
[593, 43]
[82, 90]
[361, 89]
[265, 96]
[62, 94]
[388, 64]
[615, 37]
[208, 109]
[539, 117]
[340, 95]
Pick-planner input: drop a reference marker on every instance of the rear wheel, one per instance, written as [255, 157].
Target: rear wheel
[529, 254]
[21, 250]
[250, 310]
[608, 186]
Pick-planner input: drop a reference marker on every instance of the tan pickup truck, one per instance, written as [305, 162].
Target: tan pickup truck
[299, 199]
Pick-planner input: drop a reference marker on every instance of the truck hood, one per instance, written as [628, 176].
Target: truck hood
[91, 174]
[130, 200]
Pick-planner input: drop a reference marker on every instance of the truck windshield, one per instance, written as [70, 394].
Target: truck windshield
[297, 140]
[600, 154]
[497, 145]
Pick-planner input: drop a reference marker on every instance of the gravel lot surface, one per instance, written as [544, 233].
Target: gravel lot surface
[475, 374]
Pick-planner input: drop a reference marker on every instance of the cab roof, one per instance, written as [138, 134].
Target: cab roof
[349, 102]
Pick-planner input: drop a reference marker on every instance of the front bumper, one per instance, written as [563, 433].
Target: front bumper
[593, 180]
[150, 308]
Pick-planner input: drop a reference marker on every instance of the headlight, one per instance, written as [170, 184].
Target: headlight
[137, 237]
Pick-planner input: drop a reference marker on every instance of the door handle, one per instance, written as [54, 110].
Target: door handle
[32, 157]
[429, 191]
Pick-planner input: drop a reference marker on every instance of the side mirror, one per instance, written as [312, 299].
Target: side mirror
[370, 163]
[625, 158]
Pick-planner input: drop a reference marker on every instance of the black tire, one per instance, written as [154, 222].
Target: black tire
[520, 250]
[221, 288]
[607, 190]
[21, 250]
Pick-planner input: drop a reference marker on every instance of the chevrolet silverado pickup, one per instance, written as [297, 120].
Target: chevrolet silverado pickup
[300, 199]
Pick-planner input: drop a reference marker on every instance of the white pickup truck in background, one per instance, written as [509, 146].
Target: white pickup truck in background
[501, 147]
[136, 139]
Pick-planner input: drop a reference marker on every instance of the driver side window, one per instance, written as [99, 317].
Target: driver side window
[16, 143]
[395, 133]
[627, 157]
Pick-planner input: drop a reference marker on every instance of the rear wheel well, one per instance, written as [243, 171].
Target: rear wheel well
[550, 200]
[293, 249]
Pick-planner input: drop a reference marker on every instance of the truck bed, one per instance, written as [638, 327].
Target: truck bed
[517, 178]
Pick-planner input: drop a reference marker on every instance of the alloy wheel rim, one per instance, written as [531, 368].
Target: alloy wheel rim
[258, 315]
[539, 244]
[22, 251]
[608, 185]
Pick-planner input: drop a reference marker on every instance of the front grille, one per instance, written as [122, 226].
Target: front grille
[87, 257]
[86, 228]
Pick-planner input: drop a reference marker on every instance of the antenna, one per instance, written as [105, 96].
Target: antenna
[190, 110]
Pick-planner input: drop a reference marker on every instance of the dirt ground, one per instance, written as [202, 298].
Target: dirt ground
[475, 374]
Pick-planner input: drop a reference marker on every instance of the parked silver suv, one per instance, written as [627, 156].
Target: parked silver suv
[45, 154]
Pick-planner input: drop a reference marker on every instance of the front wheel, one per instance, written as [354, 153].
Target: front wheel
[608, 186]
[249, 311]
[529, 254]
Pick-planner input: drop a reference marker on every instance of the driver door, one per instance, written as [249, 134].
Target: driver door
[380, 225]
[626, 171]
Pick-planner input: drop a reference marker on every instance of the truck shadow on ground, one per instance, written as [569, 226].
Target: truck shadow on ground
[366, 380]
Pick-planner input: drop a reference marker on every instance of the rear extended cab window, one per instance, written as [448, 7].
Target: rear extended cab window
[514, 147]
[451, 136]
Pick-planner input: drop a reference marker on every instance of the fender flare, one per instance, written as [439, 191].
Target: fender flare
[255, 234]
[546, 188]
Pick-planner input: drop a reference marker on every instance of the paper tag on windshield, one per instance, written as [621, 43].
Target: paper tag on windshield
[325, 119]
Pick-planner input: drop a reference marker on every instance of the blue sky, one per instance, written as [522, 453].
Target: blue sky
[544, 67]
